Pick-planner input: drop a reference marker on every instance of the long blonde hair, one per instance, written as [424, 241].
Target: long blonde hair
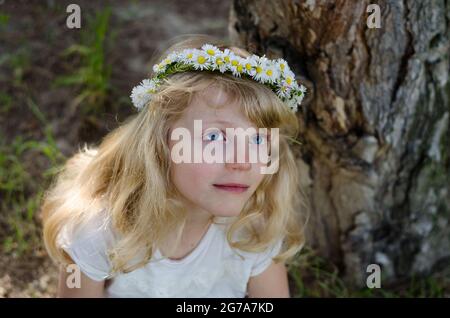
[128, 174]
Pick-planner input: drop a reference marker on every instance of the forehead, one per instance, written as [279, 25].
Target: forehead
[215, 105]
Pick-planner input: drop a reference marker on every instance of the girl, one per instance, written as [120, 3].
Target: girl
[138, 224]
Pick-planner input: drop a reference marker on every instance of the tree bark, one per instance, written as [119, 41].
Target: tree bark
[375, 126]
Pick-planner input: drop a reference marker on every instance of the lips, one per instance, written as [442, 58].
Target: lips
[232, 187]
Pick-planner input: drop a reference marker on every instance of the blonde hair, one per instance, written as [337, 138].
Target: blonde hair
[128, 174]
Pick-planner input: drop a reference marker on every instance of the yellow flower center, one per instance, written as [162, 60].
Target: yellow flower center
[239, 68]
[258, 69]
[210, 52]
[269, 72]
[234, 62]
[219, 61]
[289, 80]
[282, 66]
[248, 66]
[227, 59]
[167, 61]
[201, 59]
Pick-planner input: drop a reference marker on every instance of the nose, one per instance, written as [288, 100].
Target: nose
[232, 157]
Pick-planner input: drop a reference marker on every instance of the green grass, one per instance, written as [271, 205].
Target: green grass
[4, 19]
[19, 62]
[5, 103]
[21, 190]
[313, 276]
[93, 74]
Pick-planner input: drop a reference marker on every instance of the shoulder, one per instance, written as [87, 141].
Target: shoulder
[88, 245]
[262, 260]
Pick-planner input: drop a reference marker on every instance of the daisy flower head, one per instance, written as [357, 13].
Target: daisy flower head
[211, 51]
[142, 94]
[159, 68]
[250, 64]
[288, 79]
[227, 54]
[269, 73]
[201, 60]
[282, 66]
[186, 56]
[172, 58]
[284, 91]
[259, 68]
[218, 63]
[236, 65]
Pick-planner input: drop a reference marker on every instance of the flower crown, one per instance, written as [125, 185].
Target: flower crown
[275, 74]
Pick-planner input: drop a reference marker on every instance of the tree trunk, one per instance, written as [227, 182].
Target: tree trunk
[375, 125]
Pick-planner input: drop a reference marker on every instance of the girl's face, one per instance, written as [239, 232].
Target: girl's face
[204, 185]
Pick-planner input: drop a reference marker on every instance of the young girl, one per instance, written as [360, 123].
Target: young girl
[138, 224]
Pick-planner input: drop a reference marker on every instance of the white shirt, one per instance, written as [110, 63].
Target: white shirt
[212, 269]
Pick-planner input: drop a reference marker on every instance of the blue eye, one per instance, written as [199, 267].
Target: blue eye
[214, 135]
[259, 139]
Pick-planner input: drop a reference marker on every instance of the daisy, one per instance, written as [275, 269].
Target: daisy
[261, 62]
[236, 65]
[258, 72]
[172, 58]
[186, 56]
[201, 60]
[284, 91]
[218, 63]
[227, 54]
[212, 51]
[288, 79]
[250, 63]
[282, 66]
[142, 94]
[159, 68]
[269, 74]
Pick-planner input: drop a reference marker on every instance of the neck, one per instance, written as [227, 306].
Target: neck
[197, 217]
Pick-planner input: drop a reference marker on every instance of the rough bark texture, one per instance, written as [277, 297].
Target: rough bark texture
[375, 160]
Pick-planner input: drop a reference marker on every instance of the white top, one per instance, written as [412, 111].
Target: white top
[212, 269]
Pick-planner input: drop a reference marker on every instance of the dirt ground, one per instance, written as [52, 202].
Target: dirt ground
[33, 107]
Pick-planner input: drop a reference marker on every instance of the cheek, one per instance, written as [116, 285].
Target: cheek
[193, 178]
[256, 172]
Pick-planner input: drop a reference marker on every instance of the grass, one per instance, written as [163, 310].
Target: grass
[5, 103]
[18, 63]
[313, 276]
[21, 190]
[93, 74]
[4, 19]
